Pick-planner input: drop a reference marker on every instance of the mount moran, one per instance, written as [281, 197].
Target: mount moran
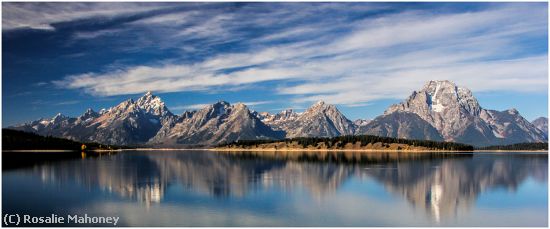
[440, 111]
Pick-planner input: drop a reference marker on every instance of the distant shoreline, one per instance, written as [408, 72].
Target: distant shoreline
[375, 150]
[534, 151]
[99, 150]
[338, 150]
[276, 150]
[96, 150]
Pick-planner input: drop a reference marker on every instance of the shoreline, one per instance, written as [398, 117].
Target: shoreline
[278, 150]
[377, 150]
[319, 150]
[341, 150]
[98, 150]
[504, 151]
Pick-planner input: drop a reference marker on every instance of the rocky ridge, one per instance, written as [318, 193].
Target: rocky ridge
[457, 115]
[439, 111]
[542, 124]
[319, 120]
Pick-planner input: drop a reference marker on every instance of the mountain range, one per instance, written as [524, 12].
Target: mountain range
[440, 111]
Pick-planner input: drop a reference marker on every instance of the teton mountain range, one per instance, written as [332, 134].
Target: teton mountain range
[440, 111]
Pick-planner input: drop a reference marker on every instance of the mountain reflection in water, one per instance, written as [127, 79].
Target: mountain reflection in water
[438, 184]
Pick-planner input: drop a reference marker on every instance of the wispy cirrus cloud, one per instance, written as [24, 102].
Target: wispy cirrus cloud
[255, 103]
[189, 107]
[42, 16]
[379, 57]
[203, 105]
[170, 19]
[96, 34]
[40, 84]
[68, 102]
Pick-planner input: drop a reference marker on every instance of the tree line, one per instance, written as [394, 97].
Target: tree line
[20, 140]
[363, 139]
[519, 146]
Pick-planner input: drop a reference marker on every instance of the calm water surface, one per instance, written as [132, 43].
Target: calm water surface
[200, 188]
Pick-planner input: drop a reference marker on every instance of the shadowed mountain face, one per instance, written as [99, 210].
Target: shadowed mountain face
[440, 111]
[542, 124]
[439, 185]
[399, 124]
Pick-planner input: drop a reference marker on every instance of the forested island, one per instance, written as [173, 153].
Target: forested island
[349, 142]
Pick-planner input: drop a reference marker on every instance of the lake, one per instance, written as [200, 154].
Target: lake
[202, 188]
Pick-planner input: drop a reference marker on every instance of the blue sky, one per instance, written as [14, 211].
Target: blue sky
[363, 57]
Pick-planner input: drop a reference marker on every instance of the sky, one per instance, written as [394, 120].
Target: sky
[66, 57]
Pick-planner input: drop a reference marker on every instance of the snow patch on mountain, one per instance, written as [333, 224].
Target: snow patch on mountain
[457, 115]
[319, 120]
[439, 111]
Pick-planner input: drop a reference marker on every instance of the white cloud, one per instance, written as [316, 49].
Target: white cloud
[203, 105]
[255, 103]
[170, 19]
[41, 16]
[386, 57]
[40, 84]
[96, 34]
[69, 102]
[189, 107]
[209, 28]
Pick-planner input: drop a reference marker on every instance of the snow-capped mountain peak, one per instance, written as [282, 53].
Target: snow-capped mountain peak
[441, 110]
[444, 95]
[90, 113]
[457, 115]
[319, 103]
[87, 116]
[320, 107]
[216, 123]
[58, 118]
[319, 120]
[513, 111]
[152, 104]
